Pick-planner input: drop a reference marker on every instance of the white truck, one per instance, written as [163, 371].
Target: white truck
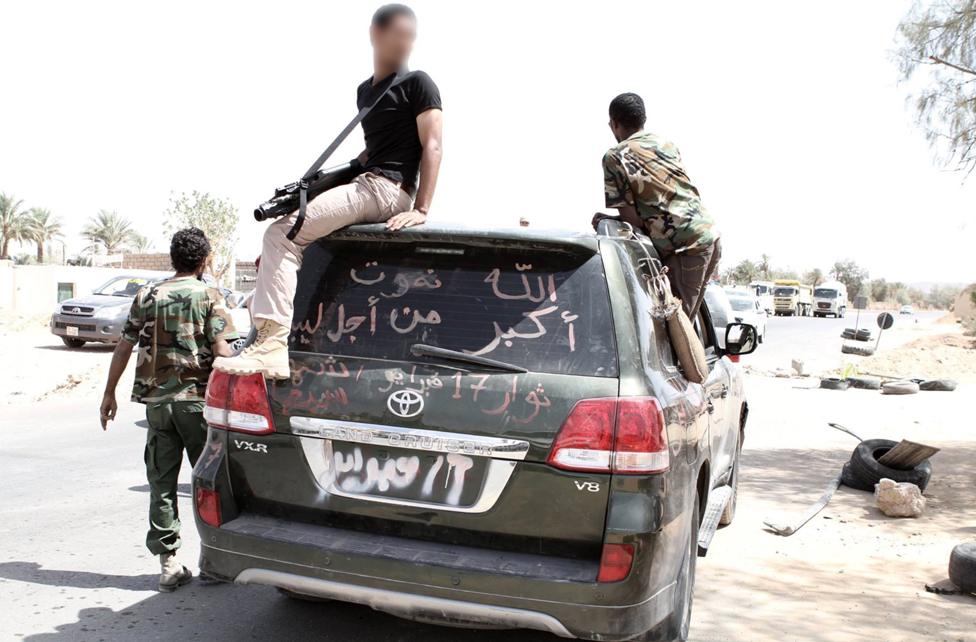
[830, 298]
[764, 292]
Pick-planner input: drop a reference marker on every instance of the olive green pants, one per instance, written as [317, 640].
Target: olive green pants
[174, 426]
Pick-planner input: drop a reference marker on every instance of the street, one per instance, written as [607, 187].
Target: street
[74, 567]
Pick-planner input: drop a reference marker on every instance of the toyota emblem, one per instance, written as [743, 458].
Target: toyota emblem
[405, 403]
[76, 310]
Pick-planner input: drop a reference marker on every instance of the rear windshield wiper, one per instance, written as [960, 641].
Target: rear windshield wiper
[424, 350]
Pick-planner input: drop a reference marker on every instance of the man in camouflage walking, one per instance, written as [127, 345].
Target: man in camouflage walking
[646, 183]
[179, 325]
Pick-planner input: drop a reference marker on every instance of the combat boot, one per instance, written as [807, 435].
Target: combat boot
[172, 574]
[267, 355]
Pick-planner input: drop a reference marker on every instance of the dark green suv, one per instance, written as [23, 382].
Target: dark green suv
[482, 428]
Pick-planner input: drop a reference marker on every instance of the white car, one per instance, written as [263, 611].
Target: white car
[746, 308]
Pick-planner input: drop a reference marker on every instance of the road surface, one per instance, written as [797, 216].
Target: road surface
[73, 566]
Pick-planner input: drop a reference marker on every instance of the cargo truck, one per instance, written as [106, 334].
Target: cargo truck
[792, 298]
[830, 298]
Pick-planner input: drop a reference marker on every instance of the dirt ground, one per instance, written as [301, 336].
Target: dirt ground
[850, 574]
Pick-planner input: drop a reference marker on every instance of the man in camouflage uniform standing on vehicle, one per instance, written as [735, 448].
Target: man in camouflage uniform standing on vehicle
[646, 183]
[179, 325]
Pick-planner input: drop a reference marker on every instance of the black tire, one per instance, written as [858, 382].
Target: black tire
[74, 344]
[833, 383]
[899, 388]
[849, 478]
[865, 466]
[862, 351]
[865, 383]
[941, 385]
[962, 567]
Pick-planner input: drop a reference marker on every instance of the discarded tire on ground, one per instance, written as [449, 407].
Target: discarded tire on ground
[865, 383]
[864, 351]
[863, 334]
[942, 385]
[833, 383]
[962, 567]
[864, 470]
[899, 388]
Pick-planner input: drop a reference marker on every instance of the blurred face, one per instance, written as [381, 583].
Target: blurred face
[392, 44]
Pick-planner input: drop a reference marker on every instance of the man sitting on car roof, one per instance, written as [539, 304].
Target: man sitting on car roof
[646, 183]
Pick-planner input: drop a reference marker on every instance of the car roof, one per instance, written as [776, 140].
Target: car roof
[453, 233]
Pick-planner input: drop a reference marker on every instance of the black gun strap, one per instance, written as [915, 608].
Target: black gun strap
[296, 227]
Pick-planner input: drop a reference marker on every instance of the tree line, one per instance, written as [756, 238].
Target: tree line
[108, 232]
[855, 277]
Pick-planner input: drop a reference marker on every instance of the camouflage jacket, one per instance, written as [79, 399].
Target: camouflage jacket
[175, 323]
[645, 172]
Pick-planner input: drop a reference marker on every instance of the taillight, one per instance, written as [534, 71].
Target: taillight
[625, 436]
[238, 402]
[640, 440]
[585, 441]
[208, 506]
[615, 562]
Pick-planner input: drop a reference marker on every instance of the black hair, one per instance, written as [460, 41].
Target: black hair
[628, 110]
[385, 14]
[189, 249]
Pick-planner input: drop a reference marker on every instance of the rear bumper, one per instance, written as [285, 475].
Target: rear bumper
[433, 582]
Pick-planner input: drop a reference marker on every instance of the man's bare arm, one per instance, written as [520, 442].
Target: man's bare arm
[222, 349]
[120, 359]
[429, 128]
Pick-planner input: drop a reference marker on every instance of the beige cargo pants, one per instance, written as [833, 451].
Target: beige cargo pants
[367, 199]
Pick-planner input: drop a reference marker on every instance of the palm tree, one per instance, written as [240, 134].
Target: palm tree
[12, 223]
[111, 231]
[142, 244]
[41, 228]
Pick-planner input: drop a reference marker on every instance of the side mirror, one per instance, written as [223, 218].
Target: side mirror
[740, 338]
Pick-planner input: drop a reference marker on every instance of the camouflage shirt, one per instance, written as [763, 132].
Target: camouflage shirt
[645, 172]
[175, 323]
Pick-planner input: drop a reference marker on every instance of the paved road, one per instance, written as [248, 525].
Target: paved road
[817, 341]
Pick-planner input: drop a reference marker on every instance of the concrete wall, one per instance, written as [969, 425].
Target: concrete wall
[33, 289]
[156, 261]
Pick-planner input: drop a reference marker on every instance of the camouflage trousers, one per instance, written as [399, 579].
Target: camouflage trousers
[174, 427]
[690, 271]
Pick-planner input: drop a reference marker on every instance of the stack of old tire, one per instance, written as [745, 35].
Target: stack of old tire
[856, 334]
[863, 470]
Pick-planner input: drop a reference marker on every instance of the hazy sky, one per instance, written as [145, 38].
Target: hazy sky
[788, 115]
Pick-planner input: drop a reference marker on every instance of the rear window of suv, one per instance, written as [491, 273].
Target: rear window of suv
[546, 311]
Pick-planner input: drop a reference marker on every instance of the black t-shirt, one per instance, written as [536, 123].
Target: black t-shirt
[390, 129]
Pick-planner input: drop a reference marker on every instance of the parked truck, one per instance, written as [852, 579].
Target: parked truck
[790, 297]
[830, 298]
[764, 292]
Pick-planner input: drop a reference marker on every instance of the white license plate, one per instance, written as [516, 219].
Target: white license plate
[72, 331]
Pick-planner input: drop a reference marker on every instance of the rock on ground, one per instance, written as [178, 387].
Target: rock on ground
[896, 499]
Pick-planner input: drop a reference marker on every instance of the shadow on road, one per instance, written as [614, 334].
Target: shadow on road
[88, 347]
[32, 572]
[227, 612]
[183, 490]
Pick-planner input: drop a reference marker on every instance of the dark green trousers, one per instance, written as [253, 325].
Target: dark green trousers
[174, 427]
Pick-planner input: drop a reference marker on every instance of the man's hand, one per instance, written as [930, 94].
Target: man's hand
[108, 409]
[406, 219]
[600, 216]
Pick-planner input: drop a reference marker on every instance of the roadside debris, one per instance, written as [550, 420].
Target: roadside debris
[865, 383]
[903, 387]
[834, 383]
[940, 385]
[788, 529]
[898, 499]
[962, 567]
[864, 470]
[797, 365]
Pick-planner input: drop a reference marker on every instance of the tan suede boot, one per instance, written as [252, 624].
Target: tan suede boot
[267, 355]
[172, 574]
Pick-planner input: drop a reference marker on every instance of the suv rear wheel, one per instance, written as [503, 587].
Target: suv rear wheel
[729, 514]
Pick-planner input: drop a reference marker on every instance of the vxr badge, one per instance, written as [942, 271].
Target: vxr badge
[405, 403]
[250, 445]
